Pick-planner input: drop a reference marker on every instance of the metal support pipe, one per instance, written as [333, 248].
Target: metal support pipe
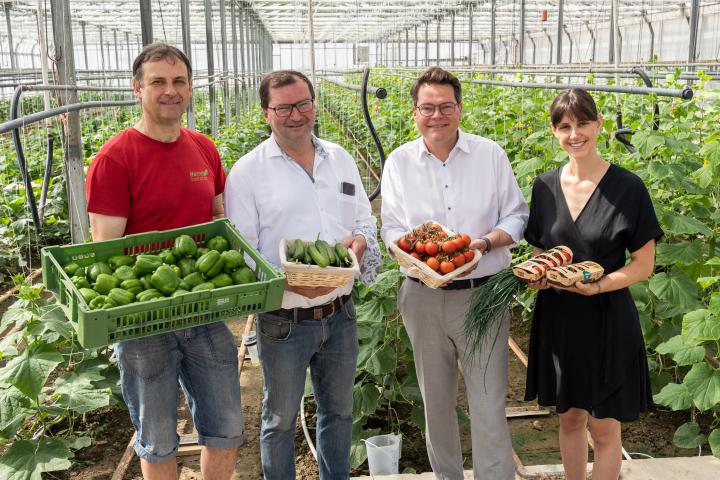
[399, 50]
[470, 33]
[452, 38]
[311, 42]
[570, 40]
[65, 109]
[146, 26]
[415, 58]
[243, 64]
[102, 50]
[694, 21]
[224, 56]
[71, 138]
[522, 32]
[652, 35]
[117, 52]
[482, 47]
[611, 40]
[127, 50]
[437, 43]
[210, 65]
[236, 72]
[594, 43]
[84, 41]
[493, 15]
[427, 44]
[11, 51]
[551, 44]
[505, 46]
[532, 40]
[187, 49]
[407, 47]
[44, 63]
[561, 11]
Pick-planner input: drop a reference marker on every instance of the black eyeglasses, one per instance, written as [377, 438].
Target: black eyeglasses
[428, 109]
[285, 110]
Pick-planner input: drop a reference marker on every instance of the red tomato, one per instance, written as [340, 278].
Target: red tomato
[466, 238]
[415, 255]
[432, 249]
[433, 263]
[459, 260]
[441, 234]
[449, 247]
[420, 248]
[459, 243]
[404, 245]
[410, 238]
[469, 255]
[447, 267]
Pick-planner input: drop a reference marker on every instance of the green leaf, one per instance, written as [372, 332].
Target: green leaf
[15, 408]
[374, 310]
[365, 398]
[366, 331]
[685, 253]
[27, 459]
[707, 282]
[674, 396]
[417, 416]
[80, 442]
[688, 436]
[78, 394]
[679, 224]
[681, 352]
[676, 289]
[17, 316]
[383, 361]
[714, 441]
[703, 383]
[699, 326]
[386, 282]
[30, 370]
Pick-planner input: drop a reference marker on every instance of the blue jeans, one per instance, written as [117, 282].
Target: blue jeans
[204, 360]
[329, 347]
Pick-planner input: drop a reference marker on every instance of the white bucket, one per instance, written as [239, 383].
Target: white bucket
[383, 454]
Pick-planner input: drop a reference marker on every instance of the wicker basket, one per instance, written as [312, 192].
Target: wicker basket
[301, 275]
[421, 271]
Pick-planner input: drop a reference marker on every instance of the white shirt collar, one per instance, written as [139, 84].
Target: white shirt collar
[462, 144]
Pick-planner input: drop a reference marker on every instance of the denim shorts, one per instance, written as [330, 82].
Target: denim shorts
[203, 360]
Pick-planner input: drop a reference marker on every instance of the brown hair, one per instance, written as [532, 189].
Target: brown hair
[436, 76]
[575, 102]
[279, 79]
[158, 51]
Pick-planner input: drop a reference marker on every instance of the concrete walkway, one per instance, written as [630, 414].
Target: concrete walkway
[678, 468]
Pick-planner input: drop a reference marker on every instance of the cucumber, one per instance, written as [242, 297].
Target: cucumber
[320, 259]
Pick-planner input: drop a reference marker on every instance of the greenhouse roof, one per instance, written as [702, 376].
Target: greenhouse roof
[334, 20]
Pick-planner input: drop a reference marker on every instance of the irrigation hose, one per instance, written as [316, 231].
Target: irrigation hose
[371, 127]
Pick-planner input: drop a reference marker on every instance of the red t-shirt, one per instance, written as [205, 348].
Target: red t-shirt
[155, 185]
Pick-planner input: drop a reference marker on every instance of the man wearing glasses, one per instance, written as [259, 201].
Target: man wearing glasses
[464, 182]
[294, 185]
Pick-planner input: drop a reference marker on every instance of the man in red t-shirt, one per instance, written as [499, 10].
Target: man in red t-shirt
[157, 176]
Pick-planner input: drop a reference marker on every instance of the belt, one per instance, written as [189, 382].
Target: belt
[312, 313]
[459, 284]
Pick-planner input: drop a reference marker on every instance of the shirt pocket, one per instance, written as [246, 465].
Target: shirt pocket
[346, 210]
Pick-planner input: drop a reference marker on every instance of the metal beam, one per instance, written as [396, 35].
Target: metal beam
[493, 15]
[210, 66]
[187, 49]
[594, 42]
[71, 138]
[236, 72]
[694, 21]
[11, 51]
[223, 49]
[560, 20]
[452, 38]
[84, 41]
[470, 33]
[522, 32]
[243, 65]
[146, 26]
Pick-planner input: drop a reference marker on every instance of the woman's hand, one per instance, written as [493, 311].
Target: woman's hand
[587, 289]
[541, 284]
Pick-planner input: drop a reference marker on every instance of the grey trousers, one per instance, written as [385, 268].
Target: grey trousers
[434, 321]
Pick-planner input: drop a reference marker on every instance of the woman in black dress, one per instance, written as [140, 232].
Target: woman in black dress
[587, 355]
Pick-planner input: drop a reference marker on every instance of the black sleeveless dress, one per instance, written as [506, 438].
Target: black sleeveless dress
[588, 352]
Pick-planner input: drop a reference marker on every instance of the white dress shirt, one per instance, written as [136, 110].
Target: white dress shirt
[270, 197]
[474, 191]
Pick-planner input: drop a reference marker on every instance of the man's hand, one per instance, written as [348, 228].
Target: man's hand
[309, 292]
[358, 244]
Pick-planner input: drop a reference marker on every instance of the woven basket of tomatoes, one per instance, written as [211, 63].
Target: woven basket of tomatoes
[434, 254]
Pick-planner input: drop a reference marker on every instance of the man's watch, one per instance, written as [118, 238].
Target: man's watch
[488, 244]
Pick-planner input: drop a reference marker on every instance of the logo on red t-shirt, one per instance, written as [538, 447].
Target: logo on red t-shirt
[199, 175]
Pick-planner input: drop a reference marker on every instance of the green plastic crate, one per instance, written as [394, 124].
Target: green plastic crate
[96, 328]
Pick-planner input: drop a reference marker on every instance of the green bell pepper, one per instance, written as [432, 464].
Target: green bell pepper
[187, 266]
[221, 280]
[146, 295]
[117, 261]
[243, 275]
[145, 264]
[203, 286]
[124, 272]
[233, 260]
[120, 296]
[96, 269]
[80, 282]
[104, 283]
[88, 294]
[133, 286]
[167, 257]
[184, 247]
[210, 264]
[71, 268]
[218, 243]
[194, 279]
[165, 279]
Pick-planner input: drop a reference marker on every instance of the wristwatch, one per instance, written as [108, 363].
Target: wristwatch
[488, 244]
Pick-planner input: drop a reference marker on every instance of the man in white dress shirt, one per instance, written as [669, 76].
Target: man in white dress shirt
[294, 185]
[464, 182]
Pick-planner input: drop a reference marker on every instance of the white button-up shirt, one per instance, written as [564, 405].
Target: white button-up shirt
[270, 197]
[474, 191]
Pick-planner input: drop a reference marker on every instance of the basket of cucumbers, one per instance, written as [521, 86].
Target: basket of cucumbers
[317, 263]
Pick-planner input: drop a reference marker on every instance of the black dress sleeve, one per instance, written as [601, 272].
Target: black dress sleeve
[646, 225]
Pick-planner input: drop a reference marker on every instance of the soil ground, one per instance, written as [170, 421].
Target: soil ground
[535, 439]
